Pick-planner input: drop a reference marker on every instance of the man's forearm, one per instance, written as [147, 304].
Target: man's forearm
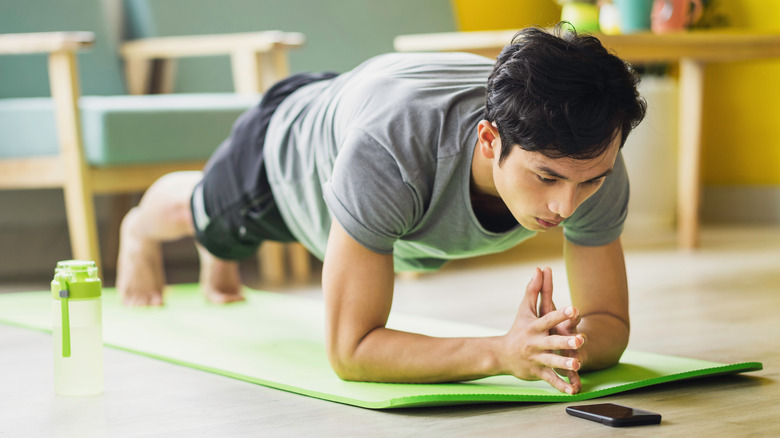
[525, 351]
[386, 355]
[607, 338]
[358, 290]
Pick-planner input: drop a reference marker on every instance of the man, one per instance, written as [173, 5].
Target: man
[406, 162]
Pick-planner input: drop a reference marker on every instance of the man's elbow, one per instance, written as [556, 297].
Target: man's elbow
[604, 360]
[342, 368]
[608, 355]
[345, 364]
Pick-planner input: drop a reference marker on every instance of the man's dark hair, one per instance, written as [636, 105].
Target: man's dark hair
[561, 94]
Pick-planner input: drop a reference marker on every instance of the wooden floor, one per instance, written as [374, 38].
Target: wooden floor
[720, 303]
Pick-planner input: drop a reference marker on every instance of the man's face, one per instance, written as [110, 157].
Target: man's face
[541, 191]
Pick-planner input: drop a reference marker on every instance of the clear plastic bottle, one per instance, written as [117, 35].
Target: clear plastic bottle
[77, 328]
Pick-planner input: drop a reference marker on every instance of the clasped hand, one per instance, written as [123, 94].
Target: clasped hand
[543, 339]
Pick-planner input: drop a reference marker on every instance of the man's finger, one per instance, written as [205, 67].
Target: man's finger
[574, 380]
[546, 303]
[532, 291]
[551, 377]
[557, 342]
[555, 361]
[552, 319]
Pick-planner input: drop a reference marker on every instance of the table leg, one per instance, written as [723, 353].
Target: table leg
[689, 170]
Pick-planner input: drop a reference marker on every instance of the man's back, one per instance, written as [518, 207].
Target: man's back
[381, 145]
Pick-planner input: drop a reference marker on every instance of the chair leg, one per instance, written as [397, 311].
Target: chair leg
[82, 225]
[271, 262]
[120, 204]
[300, 262]
[79, 196]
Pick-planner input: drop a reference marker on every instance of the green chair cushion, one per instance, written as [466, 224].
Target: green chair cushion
[121, 130]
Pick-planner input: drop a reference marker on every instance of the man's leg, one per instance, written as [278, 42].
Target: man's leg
[164, 215]
[220, 280]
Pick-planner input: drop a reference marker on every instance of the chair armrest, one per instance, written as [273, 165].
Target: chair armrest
[207, 45]
[44, 42]
[258, 59]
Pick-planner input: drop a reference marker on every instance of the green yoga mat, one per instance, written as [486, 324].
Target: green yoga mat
[277, 340]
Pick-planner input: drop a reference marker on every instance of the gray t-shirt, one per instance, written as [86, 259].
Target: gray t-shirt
[386, 150]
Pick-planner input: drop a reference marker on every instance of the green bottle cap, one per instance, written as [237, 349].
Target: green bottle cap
[76, 280]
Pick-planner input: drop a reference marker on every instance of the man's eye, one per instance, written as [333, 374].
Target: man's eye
[545, 180]
[595, 182]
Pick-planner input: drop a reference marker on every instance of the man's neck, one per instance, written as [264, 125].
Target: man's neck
[487, 205]
[482, 175]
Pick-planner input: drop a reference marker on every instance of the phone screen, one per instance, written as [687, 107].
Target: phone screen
[614, 415]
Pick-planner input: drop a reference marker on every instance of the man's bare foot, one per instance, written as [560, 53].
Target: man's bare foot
[220, 280]
[140, 277]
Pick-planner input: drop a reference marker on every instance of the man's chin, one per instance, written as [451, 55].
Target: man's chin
[532, 225]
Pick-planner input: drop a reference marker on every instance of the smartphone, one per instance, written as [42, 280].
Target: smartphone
[614, 415]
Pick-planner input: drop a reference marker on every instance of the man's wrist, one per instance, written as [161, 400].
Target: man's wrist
[495, 362]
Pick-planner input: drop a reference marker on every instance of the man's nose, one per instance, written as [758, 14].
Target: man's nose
[564, 202]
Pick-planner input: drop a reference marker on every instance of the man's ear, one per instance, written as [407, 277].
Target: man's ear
[488, 139]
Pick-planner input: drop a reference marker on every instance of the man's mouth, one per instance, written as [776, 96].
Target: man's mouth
[547, 223]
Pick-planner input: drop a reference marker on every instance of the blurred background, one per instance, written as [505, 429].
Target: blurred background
[741, 154]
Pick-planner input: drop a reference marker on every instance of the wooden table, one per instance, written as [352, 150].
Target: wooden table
[691, 50]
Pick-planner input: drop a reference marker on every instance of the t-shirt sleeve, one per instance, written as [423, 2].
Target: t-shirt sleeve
[599, 220]
[369, 195]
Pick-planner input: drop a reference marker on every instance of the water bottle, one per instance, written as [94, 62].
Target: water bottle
[77, 328]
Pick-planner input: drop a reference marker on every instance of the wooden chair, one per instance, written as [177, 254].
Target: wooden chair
[81, 167]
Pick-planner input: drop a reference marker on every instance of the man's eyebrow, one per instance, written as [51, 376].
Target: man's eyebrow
[555, 174]
[551, 172]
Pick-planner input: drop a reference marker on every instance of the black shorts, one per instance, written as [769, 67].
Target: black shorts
[233, 208]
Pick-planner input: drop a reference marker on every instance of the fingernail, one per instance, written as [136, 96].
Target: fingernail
[570, 391]
[570, 364]
[573, 343]
[569, 311]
